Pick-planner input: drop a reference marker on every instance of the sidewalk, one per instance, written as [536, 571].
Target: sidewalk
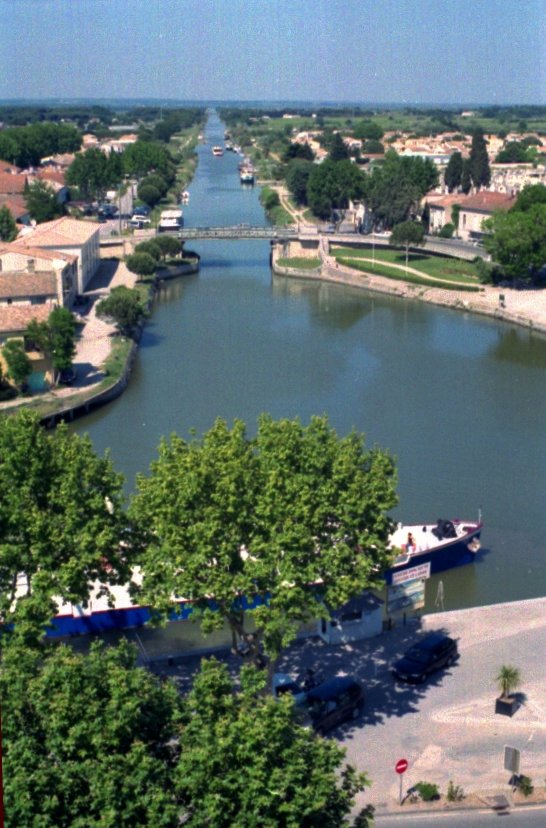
[95, 336]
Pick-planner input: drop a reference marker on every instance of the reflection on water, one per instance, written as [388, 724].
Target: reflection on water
[458, 400]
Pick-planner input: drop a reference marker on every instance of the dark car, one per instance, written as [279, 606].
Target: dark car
[68, 376]
[333, 702]
[432, 653]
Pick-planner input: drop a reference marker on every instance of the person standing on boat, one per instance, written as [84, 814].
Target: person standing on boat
[410, 543]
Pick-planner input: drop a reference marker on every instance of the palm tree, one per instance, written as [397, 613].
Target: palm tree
[508, 680]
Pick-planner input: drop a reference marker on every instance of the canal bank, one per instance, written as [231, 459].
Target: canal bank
[526, 308]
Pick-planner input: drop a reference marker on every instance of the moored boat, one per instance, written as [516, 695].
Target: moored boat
[246, 175]
[445, 544]
[170, 220]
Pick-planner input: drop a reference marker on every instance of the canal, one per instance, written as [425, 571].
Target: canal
[458, 400]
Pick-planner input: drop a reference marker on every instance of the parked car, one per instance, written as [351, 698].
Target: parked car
[432, 653]
[333, 702]
[298, 688]
[68, 377]
[141, 210]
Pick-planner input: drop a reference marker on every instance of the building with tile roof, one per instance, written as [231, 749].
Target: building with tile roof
[71, 236]
[476, 208]
[15, 259]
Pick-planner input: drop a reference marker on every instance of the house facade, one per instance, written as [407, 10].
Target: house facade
[72, 237]
[476, 208]
[41, 266]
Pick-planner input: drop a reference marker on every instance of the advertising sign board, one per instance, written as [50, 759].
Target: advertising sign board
[419, 571]
[406, 596]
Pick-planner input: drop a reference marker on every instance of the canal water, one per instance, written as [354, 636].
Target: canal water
[458, 400]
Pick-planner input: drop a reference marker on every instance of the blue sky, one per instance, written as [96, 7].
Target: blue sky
[423, 51]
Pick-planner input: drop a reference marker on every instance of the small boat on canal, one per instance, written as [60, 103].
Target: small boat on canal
[444, 545]
[217, 150]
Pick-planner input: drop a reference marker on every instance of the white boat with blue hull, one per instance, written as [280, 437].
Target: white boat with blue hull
[445, 544]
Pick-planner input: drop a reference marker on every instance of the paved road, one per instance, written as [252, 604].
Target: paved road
[447, 728]
[521, 817]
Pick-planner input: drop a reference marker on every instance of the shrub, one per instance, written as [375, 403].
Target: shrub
[428, 791]
[525, 785]
[447, 231]
[454, 792]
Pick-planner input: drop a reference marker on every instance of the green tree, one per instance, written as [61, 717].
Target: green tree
[41, 201]
[245, 762]
[480, 172]
[394, 189]
[85, 740]
[152, 247]
[407, 234]
[454, 172]
[338, 149]
[142, 263]
[331, 185]
[155, 180]
[56, 338]
[297, 178]
[8, 227]
[530, 195]
[124, 308]
[368, 131]
[515, 152]
[93, 173]
[466, 177]
[372, 147]
[56, 532]
[17, 361]
[229, 517]
[169, 246]
[518, 241]
[144, 157]
[298, 151]
[149, 194]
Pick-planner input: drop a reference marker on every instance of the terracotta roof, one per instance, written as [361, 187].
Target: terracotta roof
[448, 200]
[15, 204]
[52, 175]
[486, 202]
[10, 183]
[63, 232]
[22, 283]
[7, 166]
[14, 318]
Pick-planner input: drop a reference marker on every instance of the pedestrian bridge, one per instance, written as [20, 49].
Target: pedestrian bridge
[238, 231]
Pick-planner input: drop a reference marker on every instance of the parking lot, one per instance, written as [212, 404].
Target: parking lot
[446, 728]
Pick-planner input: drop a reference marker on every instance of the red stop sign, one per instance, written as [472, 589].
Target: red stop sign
[401, 766]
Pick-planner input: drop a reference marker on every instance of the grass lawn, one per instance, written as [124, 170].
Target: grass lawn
[401, 276]
[299, 262]
[437, 267]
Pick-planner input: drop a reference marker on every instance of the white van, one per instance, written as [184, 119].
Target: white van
[139, 222]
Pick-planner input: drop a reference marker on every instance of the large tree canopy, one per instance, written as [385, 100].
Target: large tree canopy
[518, 241]
[86, 740]
[296, 514]
[244, 762]
[123, 306]
[41, 201]
[56, 337]
[61, 519]
[395, 188]
[331, 185]
[93, 173]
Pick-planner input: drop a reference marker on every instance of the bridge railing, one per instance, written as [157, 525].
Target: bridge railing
[238, 232]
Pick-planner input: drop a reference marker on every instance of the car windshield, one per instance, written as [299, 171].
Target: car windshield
[419, 655]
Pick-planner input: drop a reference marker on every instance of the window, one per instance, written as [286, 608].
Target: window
[31, 264]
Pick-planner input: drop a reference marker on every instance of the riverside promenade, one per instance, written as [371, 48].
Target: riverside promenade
[94, 342]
